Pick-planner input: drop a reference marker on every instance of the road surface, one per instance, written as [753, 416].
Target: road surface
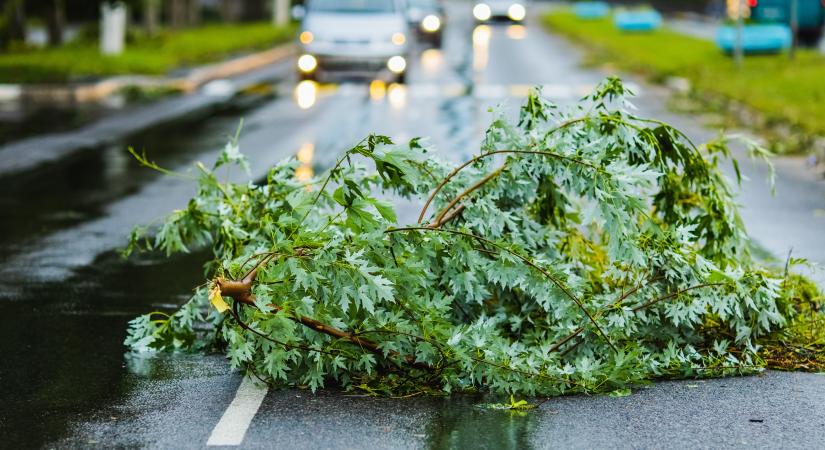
[67, 295]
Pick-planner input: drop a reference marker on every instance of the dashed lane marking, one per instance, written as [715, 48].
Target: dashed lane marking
[232, 427]
[482, 91]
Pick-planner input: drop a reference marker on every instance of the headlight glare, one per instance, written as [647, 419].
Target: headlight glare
[307, 63]
[397, 64]
[482, 11]
[516, 12]
[431, 23]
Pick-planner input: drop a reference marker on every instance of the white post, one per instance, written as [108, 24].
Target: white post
[738, 51]
[280, 12]
[112, 28]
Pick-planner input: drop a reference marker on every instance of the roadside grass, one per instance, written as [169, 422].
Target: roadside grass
[170, 50]
[780, 90]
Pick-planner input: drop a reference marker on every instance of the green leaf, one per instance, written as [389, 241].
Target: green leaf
[623, 392]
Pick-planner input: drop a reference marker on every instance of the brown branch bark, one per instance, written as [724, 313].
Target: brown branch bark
[448, 218]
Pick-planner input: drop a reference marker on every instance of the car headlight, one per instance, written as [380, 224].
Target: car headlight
[516, 12]
[398, 38]
[431, 23]
[307, 63]
[481, 11]
[306, 37]
[397, 64]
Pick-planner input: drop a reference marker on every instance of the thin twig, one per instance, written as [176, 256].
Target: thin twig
[675, 294]
[475, 159]
[439, 220]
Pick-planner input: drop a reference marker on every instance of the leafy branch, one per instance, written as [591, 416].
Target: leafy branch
[605, 250]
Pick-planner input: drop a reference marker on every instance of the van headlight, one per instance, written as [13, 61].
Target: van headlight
[307, 63]
[431, 23]
[516, 12]
[398, 38]
[306, 37]
[397, 64]
[482, 11]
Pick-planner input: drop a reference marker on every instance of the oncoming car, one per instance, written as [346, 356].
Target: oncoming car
[512, 10]
[354, 38]
[427, 18]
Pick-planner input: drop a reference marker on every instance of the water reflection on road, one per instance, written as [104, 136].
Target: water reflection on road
[460, 423]
[62, 342]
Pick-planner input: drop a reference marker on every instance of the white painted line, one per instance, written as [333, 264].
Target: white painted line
[232, 427]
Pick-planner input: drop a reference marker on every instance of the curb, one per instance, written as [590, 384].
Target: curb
[30, 153]
[96, 91]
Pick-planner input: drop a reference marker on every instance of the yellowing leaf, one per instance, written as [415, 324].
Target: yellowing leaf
[217, 300]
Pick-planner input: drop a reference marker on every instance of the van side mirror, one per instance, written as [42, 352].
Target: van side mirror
[298, 12]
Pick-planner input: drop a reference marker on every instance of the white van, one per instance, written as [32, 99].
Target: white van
[354, 38]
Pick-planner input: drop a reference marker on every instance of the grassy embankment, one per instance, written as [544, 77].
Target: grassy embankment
[153, 56]
[779, 90]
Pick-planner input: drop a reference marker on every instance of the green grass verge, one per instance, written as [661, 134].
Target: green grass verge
[781, 90]
[147, 56]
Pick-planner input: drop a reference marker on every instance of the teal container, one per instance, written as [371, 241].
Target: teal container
[759, 38]
[644, 20]
[591, 10]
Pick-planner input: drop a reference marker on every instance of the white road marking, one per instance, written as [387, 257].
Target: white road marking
[232, 427]
[486, 91]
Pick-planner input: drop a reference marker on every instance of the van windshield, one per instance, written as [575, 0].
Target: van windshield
[352, 6]
[423, 4]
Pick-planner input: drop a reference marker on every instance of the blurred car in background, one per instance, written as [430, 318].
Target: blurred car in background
[810, 16]
[512, 10]
[427, 18]
[353, 38]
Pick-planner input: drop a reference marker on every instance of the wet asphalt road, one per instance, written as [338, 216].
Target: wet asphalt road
[67, 296]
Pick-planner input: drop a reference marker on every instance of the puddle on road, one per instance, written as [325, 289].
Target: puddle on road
[78, 189]
[460, 423]
[62, 342]
[22, 121]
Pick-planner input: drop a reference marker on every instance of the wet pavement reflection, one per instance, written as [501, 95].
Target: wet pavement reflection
[78, 189]
[461, 423]
[62, 343]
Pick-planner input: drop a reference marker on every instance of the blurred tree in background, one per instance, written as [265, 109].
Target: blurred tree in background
[12, 22]
[151, 14]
